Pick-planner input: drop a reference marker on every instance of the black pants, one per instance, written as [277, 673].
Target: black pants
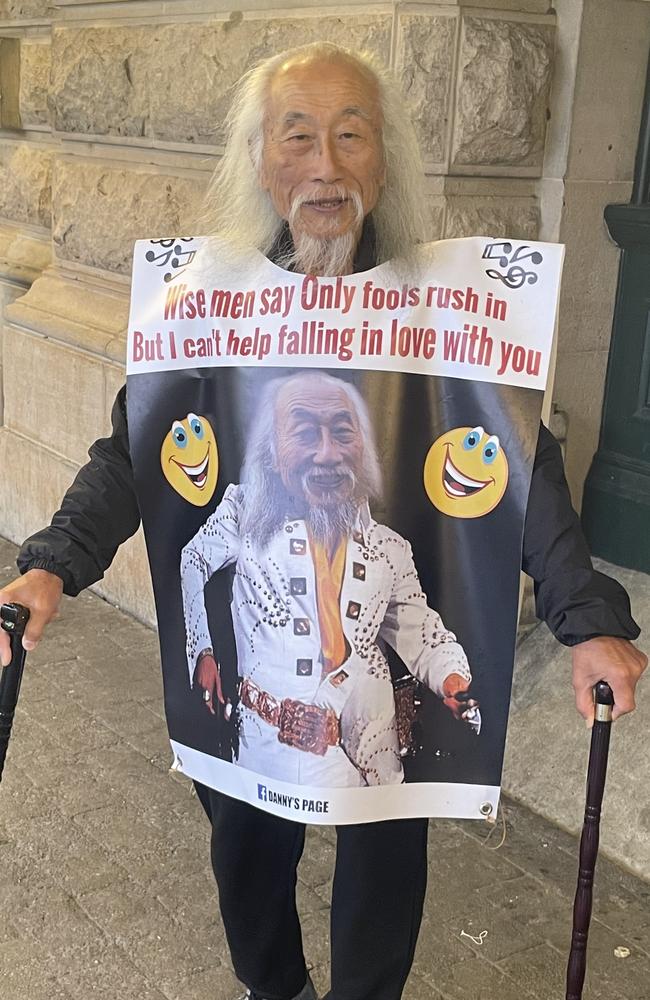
[379, 885]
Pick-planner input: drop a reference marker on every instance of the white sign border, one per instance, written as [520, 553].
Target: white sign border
[423, 799]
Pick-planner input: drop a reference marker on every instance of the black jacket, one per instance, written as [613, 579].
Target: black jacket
[100, 511]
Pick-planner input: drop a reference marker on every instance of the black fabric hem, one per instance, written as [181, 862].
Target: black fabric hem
[24, 565]
[617, 631]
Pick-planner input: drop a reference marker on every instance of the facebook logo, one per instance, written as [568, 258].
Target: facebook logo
[261, 792]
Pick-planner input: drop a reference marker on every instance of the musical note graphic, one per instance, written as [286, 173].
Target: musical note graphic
[173, 255]
[499, 251]
[515, 276]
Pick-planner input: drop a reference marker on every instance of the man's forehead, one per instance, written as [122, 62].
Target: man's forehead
[301, 89]
[312, 398]
[352, 110]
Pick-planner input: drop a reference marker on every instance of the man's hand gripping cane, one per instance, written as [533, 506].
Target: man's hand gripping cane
[40, 592]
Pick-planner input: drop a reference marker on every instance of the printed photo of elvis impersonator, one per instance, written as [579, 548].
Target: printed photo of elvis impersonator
[320, 589]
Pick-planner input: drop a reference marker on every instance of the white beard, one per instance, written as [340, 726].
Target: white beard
[323, 255]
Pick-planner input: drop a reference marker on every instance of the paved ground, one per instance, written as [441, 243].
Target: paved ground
[105, 889]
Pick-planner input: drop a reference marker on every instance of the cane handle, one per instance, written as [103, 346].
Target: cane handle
[603, 694]
[14, 618]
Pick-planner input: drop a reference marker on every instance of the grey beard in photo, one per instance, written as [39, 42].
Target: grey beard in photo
[331, 519]
[329, 524]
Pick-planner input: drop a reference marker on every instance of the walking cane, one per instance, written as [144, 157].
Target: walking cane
[13, 619]
[596, 773]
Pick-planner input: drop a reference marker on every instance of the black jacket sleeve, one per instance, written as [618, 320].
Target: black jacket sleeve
[575, 601]
[98, 513]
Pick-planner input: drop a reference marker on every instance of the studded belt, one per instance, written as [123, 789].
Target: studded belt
[299, 725]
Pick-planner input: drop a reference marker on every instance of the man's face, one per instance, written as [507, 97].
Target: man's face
[318, 442]
[322, 141]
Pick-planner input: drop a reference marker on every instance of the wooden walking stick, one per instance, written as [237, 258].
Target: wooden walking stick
[596, 774]
[13, 619]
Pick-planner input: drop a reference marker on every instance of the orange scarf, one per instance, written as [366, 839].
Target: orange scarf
[329, 580]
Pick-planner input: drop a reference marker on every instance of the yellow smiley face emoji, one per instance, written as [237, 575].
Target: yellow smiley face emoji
[465, 472]
[189, 459]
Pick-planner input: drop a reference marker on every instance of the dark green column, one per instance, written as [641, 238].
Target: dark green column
[616, 505]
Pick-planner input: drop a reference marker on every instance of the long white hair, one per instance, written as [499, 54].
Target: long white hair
[266, 500]
[237, 210]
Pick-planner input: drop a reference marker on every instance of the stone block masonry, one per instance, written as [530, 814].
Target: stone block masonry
[35, 65]
[503, 88]
[26, 183]
[101, 208]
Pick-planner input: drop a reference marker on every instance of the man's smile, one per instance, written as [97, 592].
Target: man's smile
[326, 205]
[327, 480]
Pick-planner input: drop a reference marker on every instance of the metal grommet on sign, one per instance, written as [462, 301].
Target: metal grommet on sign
[486, 809]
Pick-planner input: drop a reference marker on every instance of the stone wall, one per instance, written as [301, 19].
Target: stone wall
[112, 120]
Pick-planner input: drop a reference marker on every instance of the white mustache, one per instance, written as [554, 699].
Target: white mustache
[333, 193]
[318, 472]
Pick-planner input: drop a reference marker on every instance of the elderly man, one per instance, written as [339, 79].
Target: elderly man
[321, 173]
[301, 524]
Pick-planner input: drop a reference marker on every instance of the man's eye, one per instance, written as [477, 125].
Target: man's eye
[306, 435]
[299, 137]
[344, 435]
[349, 135]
